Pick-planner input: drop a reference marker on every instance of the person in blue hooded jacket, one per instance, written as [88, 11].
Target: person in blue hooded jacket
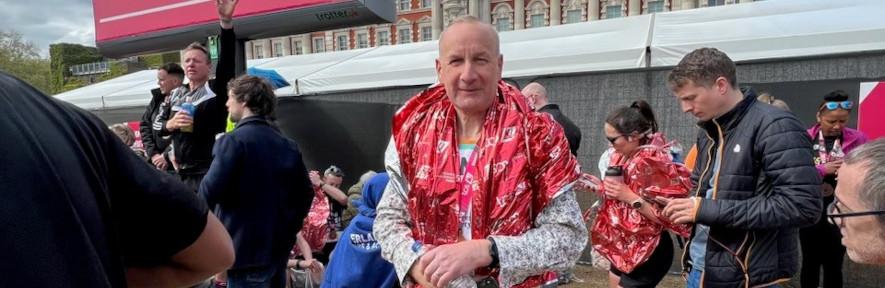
[357, 260]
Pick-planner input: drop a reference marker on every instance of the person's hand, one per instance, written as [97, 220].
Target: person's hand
[832, 166]
[310, 264]
[315, 178]
[181, 119]
[173, 160]
[445, 263]
[226, 10]
[589, 183]
[159, 161]
[417, 274]
[619, 191]
[679, 211]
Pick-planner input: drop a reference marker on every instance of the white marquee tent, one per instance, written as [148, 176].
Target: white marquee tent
[751, 31]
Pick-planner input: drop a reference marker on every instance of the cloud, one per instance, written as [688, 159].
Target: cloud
[45, 22]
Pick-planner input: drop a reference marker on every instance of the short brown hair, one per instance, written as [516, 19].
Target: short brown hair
[199, 46]
[124, 132]
[702, 67]
[255, 92]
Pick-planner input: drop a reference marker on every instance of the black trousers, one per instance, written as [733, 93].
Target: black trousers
[821, 247]
[650, 273]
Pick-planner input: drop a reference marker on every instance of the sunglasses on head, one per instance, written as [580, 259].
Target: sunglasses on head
[334, 171]
[833, 105]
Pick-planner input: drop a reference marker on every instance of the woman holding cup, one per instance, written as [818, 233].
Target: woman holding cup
[629, 230]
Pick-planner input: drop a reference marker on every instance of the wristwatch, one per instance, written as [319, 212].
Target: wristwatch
[636, 204]
[493, 252]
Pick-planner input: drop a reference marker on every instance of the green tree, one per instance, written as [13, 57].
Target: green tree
[22, 59]
[63, 56]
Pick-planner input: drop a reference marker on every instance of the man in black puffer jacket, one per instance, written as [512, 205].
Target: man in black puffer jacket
[755, 180]
[169, 77]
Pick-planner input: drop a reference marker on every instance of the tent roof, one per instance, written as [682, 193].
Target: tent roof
[750, 31]
[770, 29]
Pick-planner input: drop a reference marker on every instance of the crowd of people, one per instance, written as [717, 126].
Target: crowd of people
[479, 187]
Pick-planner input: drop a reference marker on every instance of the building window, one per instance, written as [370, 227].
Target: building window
[655, 6]
[537, 20]
[297, 47]
[362, 40]
[426, 33]
[383, 38]
[404, 5]
[573, 16]
[425, 4]
[258, 50]
[319, 45]
[503, 16]
[503, 24]
[403, 35]
[613, 11]
[277, 49]
[715, 2]
[342, 42]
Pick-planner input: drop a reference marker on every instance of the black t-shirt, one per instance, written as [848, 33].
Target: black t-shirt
[336, 214]
[77, 206]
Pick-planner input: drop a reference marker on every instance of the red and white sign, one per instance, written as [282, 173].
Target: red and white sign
[121, 18]
[136, 129]
[871, 110]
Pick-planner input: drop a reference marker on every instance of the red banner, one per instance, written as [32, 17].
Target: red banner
[136, 129]
[123, 18]
[871, 108]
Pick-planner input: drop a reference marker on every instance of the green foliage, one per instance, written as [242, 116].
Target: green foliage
[62, 57]
[117, 69]
[21, 58]
[71, 84]
[154, 61]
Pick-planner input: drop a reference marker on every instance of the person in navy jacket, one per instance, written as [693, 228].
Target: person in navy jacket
[258, 186]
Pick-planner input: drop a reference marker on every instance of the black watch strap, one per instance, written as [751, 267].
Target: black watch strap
[493, 251]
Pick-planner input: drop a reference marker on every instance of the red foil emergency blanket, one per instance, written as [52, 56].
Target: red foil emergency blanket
[515, 179]
[316, 225]
[621, 233]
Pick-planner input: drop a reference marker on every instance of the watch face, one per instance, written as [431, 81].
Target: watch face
[637, 204]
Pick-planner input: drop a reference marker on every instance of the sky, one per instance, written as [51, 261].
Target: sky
[45, 22]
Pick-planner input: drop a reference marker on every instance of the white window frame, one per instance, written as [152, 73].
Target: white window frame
[277, 52]
[322, 45]
[359, 41]
[258, 51]
[404, 5]
[379, 37]
[338, 37]
[537, 7]
[503, 11]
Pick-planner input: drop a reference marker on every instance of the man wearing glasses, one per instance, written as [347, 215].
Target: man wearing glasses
[859, 208]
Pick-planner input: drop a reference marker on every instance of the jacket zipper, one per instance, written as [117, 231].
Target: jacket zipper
[696, 194]
[715, 180]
